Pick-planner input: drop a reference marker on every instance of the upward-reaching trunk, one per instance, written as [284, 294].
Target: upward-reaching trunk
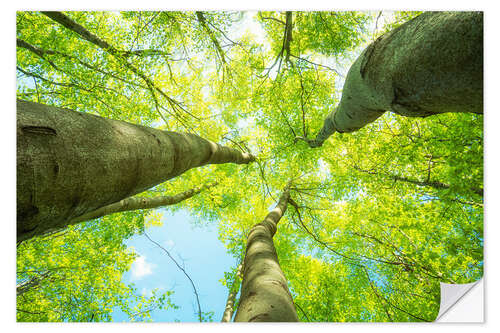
[233, 291]
[429, 65]
[264, 292]
[135, 203]
[71, 163]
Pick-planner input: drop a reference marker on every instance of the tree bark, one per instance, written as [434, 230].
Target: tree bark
[203, 22]
[135, 203]
[434, 184]
[44, 53]
[71, 163]
[30, 284]
[432, 64]
[264, 293]
[121, 56]
[233, 291]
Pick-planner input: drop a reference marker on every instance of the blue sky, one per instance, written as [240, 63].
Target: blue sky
[204, 258]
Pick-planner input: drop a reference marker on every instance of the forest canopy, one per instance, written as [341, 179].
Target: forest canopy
[376, 219]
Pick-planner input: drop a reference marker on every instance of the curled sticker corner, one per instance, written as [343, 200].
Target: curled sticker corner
[451, 294]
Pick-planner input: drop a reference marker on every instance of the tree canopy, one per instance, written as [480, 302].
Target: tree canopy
[377, 218]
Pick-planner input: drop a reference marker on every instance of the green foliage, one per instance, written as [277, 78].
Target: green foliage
[330, 33]
[75, 274]
[384, 214]
[399, 18]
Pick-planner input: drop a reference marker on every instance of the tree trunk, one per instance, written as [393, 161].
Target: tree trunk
[233, 291]
[432, 64]
[71, 163]
[264, 293]
[134, 203]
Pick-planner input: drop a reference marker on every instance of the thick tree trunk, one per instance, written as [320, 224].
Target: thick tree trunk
[264, 293]
[432, 64]
[233, 291]
[71, 163]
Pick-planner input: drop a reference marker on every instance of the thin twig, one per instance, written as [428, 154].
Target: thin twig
[301, 310]
[183, 271]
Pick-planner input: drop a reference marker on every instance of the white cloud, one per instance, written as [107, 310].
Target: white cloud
[141, 268]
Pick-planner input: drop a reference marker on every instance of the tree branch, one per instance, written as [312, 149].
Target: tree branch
[42, 53]
[203, 23]
[117, 54]
[135, 203]
[183, 271]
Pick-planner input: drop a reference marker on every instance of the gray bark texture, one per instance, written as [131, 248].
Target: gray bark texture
[235, 287]
[71, 163]
[264, 292]
[135, 203]
[432, 64]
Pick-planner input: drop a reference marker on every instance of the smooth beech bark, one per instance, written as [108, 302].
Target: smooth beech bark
[432, 64]
[134, 203]
[71, 163]
[235, 287]
[264, 292]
